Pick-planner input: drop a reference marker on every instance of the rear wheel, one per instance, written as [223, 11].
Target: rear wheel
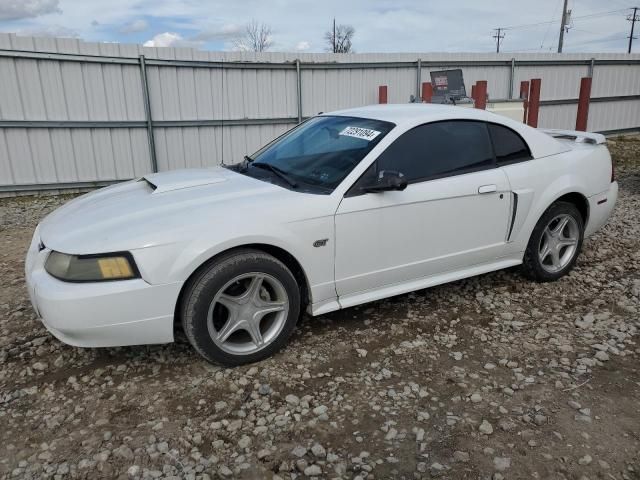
[241, 308]
[555, 243]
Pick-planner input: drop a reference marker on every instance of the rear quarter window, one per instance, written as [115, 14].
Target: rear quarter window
[508, 145]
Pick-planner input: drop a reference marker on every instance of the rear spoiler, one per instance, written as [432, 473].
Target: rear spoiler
[578, 137]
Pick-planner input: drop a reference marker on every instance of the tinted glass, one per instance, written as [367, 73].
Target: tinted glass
[320, 153]
[508, 145]
[439, 149]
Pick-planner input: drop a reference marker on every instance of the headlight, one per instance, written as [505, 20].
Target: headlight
[91, 268]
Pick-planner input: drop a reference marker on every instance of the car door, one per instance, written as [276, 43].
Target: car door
[453, 214]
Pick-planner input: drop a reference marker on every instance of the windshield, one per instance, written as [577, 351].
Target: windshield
[318, 154]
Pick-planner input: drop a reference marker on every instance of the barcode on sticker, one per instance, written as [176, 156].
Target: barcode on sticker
[358, 132]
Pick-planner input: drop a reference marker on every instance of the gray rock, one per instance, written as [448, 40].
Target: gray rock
[225, 471]
[292, 400]
[321, 410]
[264, 389]
[460, 456]
[586, 460]
[313, 471]
[299, 451]
[501, 463]
[124, 452]
[586, 321]
[39, 366]
[573, 404]
[319, 451]
[485, 428]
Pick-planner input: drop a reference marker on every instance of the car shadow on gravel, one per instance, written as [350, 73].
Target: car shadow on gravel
[353, 318]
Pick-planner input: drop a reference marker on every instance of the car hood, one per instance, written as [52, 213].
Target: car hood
[156, 209]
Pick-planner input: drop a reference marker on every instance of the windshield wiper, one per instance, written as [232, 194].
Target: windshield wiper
[278, 172]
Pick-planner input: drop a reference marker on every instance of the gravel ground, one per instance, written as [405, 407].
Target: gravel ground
[490, 377]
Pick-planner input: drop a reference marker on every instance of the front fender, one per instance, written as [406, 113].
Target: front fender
[176, 262]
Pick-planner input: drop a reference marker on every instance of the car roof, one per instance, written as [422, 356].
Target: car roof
[408, 115]
[412, 112]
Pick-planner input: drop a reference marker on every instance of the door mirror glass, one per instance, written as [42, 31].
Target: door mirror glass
[387, 180]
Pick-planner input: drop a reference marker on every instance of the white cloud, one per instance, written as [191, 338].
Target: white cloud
[225, 32]
[20, 9]
[302, 46]
[171, 39]
[49, 31]
[134, 26]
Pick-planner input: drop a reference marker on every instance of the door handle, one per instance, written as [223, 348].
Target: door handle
[487, 189]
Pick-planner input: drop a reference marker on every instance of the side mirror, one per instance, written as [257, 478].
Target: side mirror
[387, 180]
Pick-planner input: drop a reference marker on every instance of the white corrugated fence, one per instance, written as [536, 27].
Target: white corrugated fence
[77, 114]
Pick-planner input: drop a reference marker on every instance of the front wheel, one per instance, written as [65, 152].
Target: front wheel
[241, 308]
[555, 243]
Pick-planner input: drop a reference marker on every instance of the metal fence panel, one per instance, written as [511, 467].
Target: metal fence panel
[621, 79]
[212, 107]
[558, 82]
[614, 115]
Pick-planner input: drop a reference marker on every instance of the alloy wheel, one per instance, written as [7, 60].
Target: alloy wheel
[559, 243]
[248, 313]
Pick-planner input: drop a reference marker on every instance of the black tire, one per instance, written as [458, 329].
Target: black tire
[205, 284]
[532, 267]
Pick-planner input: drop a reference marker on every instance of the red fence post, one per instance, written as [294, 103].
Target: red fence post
[481, 94]
[534, 102]
[583, 104]
[382, 94]
[524, 95]
[427, 92]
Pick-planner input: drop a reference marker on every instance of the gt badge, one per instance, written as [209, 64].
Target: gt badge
[320, 243]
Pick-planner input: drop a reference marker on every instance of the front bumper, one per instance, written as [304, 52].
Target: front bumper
[100, 314]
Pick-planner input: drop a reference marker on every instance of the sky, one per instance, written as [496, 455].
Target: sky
[380, 25]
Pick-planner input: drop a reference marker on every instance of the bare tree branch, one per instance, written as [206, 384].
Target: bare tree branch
[342, 41]
[256, 38]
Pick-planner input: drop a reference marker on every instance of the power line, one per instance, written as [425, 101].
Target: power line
[621, 3]
[498, 37]
[633, 19]
[592, 15]
[599, 40]
[575, 44]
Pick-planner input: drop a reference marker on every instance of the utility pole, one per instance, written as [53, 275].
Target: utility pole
[633, 19]
[562, 26]
[334, 34]
[498, 37]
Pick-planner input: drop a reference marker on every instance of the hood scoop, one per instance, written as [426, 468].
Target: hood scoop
[180, 179]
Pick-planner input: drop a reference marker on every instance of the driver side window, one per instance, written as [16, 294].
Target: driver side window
[439, 149]
[434, 150]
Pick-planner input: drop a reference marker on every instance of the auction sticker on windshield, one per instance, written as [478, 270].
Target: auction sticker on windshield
[358, 132]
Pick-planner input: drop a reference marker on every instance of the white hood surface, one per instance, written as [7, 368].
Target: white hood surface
[157, 209]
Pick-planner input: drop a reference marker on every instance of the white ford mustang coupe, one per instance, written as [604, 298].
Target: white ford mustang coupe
[348, 207]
